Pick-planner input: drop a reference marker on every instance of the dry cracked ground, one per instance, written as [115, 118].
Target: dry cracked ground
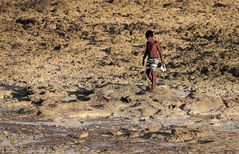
[71, 79]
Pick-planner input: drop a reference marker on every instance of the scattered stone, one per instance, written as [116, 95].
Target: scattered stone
[39, 113]
[72, 135]
[23, 111]
[181, 135]
[231, 113]
[38, 102]
[5, 143]
[2, 101]
[204, 105]
[229, 103]
[219, 5]
[136, 104]
[234, 71]
[82, 94]
[140, 92]
[22, 93]
[165, 5]
[126, 99]
[172, 106]
[106, 50]
[135, 134]
[5, 133]
[182, 107]
[139, 45]
[73, 98]
[15, 45]
[205, 141]
[57, 48]
[52, 105]
[42, 92]
[204, 70]
[109, 1]
[118, 133]
[135, 53]
[142, 119]
[83, 135]
[83, 98]
[123, 132]
[99, 106]
[27, 22]
[82, 91]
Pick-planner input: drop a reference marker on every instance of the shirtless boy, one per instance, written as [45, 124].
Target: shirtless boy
[153, 51]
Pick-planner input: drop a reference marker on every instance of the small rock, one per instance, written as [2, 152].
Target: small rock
[38, 102]
[5, 132]
[135, 53]
[126, 99]
[57, 48]
[234, 71]
[138, 45]
[42, 92]
[109, 1]
[123, 132]
[135, 134]
[156, 137]
[22, 93]
[219, 5]
[22, 111]
[119, 133]
[27, 22]
[83, 135]
[142, 119]
[204, 70]
[38, 112]
[2, 101]
[69, 99]
[83, 98]
[72, 135]
[106, 50]
[82, 91]
[172, 106]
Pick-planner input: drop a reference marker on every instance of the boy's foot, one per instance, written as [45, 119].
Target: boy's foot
[148, 89]
[152, 88]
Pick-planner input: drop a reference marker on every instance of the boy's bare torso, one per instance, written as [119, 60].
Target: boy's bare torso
[152, 49]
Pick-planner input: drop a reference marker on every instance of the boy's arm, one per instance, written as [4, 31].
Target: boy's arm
[145, 53]
[160, 50]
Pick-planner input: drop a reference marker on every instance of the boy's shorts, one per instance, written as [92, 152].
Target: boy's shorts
[152, 64]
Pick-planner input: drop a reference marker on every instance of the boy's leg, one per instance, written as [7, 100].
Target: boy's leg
[152, 86]
[148, 72]
[153, 80]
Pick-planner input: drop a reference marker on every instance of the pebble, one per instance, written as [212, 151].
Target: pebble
[2, 101]
[38, 102]
[126, 99]
[69, 99]
[83, 135]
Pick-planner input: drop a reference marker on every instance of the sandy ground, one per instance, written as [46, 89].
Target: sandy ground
[71, 79]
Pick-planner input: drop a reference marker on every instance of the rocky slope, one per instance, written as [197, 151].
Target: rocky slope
[68, 60]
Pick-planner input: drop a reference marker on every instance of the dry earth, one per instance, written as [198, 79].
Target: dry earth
[71, 79]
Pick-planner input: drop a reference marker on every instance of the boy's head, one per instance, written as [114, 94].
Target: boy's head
[149, 35]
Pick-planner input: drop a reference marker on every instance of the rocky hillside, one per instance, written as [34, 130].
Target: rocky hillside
[81, 59]
[200, 39]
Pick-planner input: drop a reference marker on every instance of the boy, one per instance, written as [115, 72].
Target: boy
[153, 49]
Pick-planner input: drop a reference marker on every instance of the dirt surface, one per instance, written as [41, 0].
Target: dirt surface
[71, 79]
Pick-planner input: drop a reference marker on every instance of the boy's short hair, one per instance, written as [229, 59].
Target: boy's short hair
[149, 33]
